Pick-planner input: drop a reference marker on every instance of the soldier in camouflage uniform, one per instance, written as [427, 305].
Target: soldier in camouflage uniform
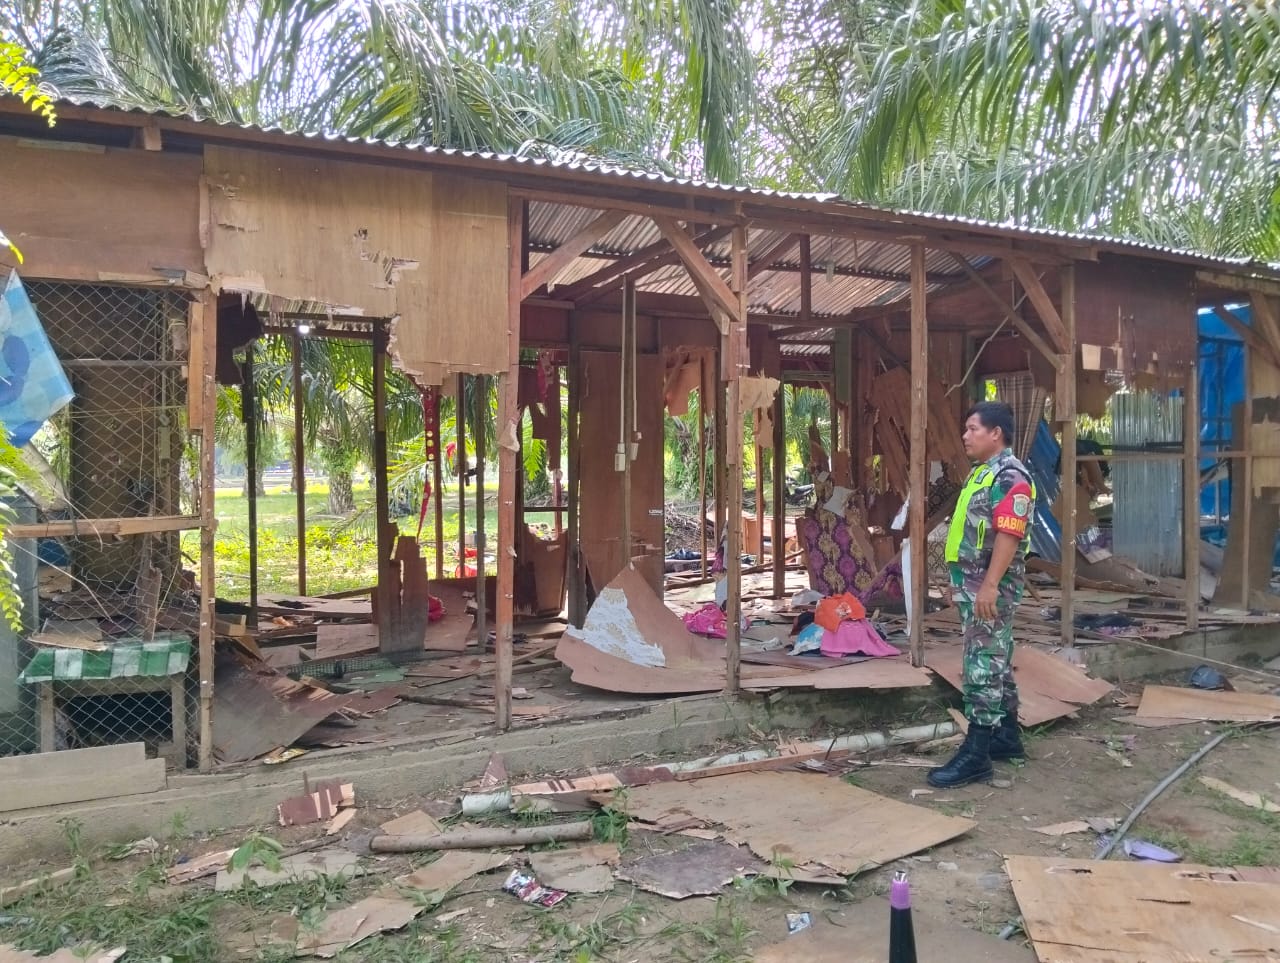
[986, 556]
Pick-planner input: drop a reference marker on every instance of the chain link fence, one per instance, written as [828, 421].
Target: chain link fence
[107, 651]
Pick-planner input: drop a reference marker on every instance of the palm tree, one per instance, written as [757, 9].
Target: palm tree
[1156, 121]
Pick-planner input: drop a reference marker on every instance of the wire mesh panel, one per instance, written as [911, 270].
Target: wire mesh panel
[108, 647]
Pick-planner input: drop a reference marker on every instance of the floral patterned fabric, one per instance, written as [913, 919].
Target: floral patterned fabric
[836, 563]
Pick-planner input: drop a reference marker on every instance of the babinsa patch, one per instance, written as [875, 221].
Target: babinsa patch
[1022, 505]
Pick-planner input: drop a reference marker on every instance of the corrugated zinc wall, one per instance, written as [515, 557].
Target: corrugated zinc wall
[1147, 512]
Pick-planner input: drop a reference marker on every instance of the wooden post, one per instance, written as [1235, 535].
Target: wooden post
[760, 509]
[779, 533]
[1246, 444]
[299, 463]
[204, 331]
[1066, 407]
[1191, 495]
[553, 450]
[866, 437]
[388, 607]
[460, 428]
[249, 412]
[481, 388]
[733, 344]
[627, 406]
[720, 474]
[438, 476]
[919, 471]
[577, 574]
[508, 452]
[704, 395]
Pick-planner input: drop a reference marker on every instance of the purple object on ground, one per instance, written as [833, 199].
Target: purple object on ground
[1150, 852]
[900, 893]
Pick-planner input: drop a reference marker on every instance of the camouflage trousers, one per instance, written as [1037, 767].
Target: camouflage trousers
[989, 689]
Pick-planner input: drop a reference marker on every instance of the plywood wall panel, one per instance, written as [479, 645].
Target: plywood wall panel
[427, 249]
[101, 214]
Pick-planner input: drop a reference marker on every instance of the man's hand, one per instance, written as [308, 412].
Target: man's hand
[984, 603]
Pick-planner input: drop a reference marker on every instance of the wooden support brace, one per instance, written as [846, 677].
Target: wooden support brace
[1265, 320]
[715, 292]
[1191, 496]
[1043, 304]
[551, 266]
[1247, 334]
[918, 455]
[1009, 313]
[638, 264]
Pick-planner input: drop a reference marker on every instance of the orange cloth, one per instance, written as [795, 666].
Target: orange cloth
[836, 609]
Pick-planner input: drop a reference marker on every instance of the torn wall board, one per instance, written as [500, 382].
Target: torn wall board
[426, 248]
[1079, 910]
[346, 927]
[581, 869]
[1167, 702]
[703, 869]
[256, 709]
[806, 819]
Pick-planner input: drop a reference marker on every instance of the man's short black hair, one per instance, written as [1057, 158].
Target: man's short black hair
[994, 414]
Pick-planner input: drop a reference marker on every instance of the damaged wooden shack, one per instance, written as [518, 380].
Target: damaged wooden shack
[159, 249]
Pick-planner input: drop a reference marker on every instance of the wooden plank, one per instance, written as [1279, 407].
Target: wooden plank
[1191, 496]
[195, 365]
[778, 535]
[1065, 404]
[339, 640]
[713, 287]
[1167, 702]
[552, 266]
[919, 471]
[37, 884]
[208, 528]
[78, 775]
[1265, 319]
[639, 263]
[98, 527]
[1247, 334]
[734, 347]
[1009, 313]
[1053, 322]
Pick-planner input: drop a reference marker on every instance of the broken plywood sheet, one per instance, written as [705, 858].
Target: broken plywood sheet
[317, 608]
[453, 867]
[1078, 910]
[887, 673]
[350, 925]
[860, 934]
[703, 869]
[11, 954]
[338, 640]
[293, 869]
[1048, 688]
[1167, 702]
[804, 818]
[256, 709]
[416, 823]
[451, 632]
[580, 869]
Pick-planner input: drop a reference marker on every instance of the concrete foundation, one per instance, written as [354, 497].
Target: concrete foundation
[661, 730]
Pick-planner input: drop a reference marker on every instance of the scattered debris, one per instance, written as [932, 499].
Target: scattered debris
[916, 793]
[1064, 829]
[797, 922]
[200, 867]
[703, 869]
[340, 821]
[78, 775]
[11, 954]
[19, 891]
[772, 813]
[583, 869]
[416, 823]
[1142, 911]
[1253, 800]
[1048, 687]
[527, 889]
[282, 755]
[1207, 677]
[495, 773]
[476, 838]
[139, 847]
[321, 803]
[1120, 758]
[452, 868]
[350, 925]
[1149, 852]
[947, 867]
[293, 869]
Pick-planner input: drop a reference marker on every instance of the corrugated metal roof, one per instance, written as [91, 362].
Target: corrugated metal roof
[605, 173]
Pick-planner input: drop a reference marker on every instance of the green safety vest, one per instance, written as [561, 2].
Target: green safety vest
[982, 477]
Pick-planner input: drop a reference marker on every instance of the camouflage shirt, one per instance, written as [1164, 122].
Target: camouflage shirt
[1007, 506]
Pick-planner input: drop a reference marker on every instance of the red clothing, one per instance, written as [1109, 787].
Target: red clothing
[1014, 510]
[836, 609]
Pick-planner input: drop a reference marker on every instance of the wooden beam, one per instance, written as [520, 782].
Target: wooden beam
[1067, 415]
[627, 383]
[779, 533]
[704, 397]
[1249, 336]
[460, 425]
[644, 261]
[553, 265]
[1239, 283]
[1191, 496]
[577, 577]
[437, 470]
[206, 384]
[386, 593]
[101, 527]
[1010, 315]
[734, 343]
[919, 472]
[710, 284]
[783, 247]
[1265, 319]
[667, 207]
[1041, 301]
[299, 461]
[508, 450]
[249, 416]
[806, 279]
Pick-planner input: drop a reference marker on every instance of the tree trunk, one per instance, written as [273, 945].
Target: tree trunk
[261, 486]
[342, 500]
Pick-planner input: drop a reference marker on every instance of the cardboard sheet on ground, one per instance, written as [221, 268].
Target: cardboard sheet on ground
[1087, 910]
[1168, 702]
[580, 869]
[453, 867]
[808, 819]
[337, 640]
[702, 869]
[354, 924]
[1048, 688]
[293, 869]
[860, 934]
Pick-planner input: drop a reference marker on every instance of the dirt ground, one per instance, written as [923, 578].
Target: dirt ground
[1096, 766]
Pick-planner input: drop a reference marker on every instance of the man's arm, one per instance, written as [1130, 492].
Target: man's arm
[1001, 557]
[1011, 515]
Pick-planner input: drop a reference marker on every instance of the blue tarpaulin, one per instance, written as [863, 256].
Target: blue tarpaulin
[1221, 388]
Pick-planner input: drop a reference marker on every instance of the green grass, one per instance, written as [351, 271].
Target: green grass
[341, 552]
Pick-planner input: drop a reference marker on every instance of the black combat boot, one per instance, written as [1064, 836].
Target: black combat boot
[971, 763]
[1006, 741]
